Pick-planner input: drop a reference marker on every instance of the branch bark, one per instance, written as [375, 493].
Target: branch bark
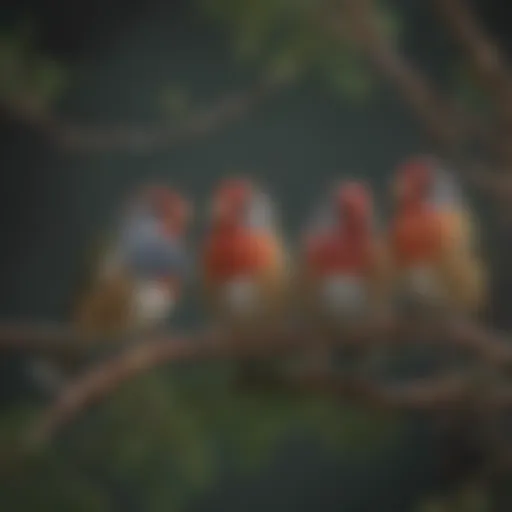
[452, 129]
[483, 54]
[103, 379]
[472, 338]
[443, 121]
[488, 65]
[73, 137]
[425, 394]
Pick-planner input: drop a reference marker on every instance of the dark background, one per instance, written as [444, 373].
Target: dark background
[53, 205]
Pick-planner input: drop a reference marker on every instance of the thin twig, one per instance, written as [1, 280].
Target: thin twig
[482, 52]
[107, 376]
[451, 128]
[359, 20]
[44, 337]
[432, 393]
[71, 136]
[488, 65]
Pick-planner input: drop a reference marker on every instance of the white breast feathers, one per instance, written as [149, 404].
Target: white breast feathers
[423, 283]
[152, 302]
[344, 295]
[241, 296]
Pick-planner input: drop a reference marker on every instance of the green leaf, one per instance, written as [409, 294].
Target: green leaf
[284, 37]
[175, 100]
[25, 74]
[391, 20]
[354, 83]
[433, 505]
[50, 79]
[473, 498]
[467, 91]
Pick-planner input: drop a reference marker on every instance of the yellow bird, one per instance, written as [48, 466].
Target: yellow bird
[434, 243]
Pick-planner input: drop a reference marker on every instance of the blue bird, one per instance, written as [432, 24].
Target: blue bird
[141, 276]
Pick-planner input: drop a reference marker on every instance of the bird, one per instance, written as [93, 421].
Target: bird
[434, 243]
[140, 276]
[244, 261]
[344, 268]
[134, 283]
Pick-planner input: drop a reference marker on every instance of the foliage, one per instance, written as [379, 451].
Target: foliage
[175, 101]
[27, 75]
[468, 499]
[281, 36]
[288, 38]
[467, 91]
[168, 435]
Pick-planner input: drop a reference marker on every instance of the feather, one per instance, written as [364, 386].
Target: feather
[435, 247]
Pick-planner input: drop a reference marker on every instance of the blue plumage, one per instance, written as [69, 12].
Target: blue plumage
[148, 252]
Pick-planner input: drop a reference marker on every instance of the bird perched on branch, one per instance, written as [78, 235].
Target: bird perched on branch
[344, 271]
[433, 240]
[140, 276]
[243, 259]
[136, 281]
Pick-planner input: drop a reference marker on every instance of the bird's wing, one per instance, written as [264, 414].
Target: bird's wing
[105, 308]
[381, 272]
[449, 198]
[461, 265]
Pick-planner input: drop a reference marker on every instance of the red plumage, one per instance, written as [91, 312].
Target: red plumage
[338, 253]
[238, 252]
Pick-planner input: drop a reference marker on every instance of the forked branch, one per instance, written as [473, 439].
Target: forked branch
[74, 137]
[451, 128]
[483, 54]
[103, 379]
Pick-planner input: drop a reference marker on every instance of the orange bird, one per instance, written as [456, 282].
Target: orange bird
[244, 268]
[344, 263]
[433, 240]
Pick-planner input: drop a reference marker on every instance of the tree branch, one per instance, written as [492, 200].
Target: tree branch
[469, 337]
[445, 123]
[70, 136]
[425, 394]
[482, 53]
[488, 65]
[107, 376]
[44, 337]
[450, 128]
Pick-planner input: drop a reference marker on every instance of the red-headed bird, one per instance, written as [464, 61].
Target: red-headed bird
[243, 259]
[140, 276]
[344, 264]
[433, 241]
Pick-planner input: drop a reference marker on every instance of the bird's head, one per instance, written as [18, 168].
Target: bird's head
[353, 205]
[414, 181]
[424, 180]
[169, 207]
[239, 202]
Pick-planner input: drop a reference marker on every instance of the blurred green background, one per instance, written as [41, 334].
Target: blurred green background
[184, 439]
